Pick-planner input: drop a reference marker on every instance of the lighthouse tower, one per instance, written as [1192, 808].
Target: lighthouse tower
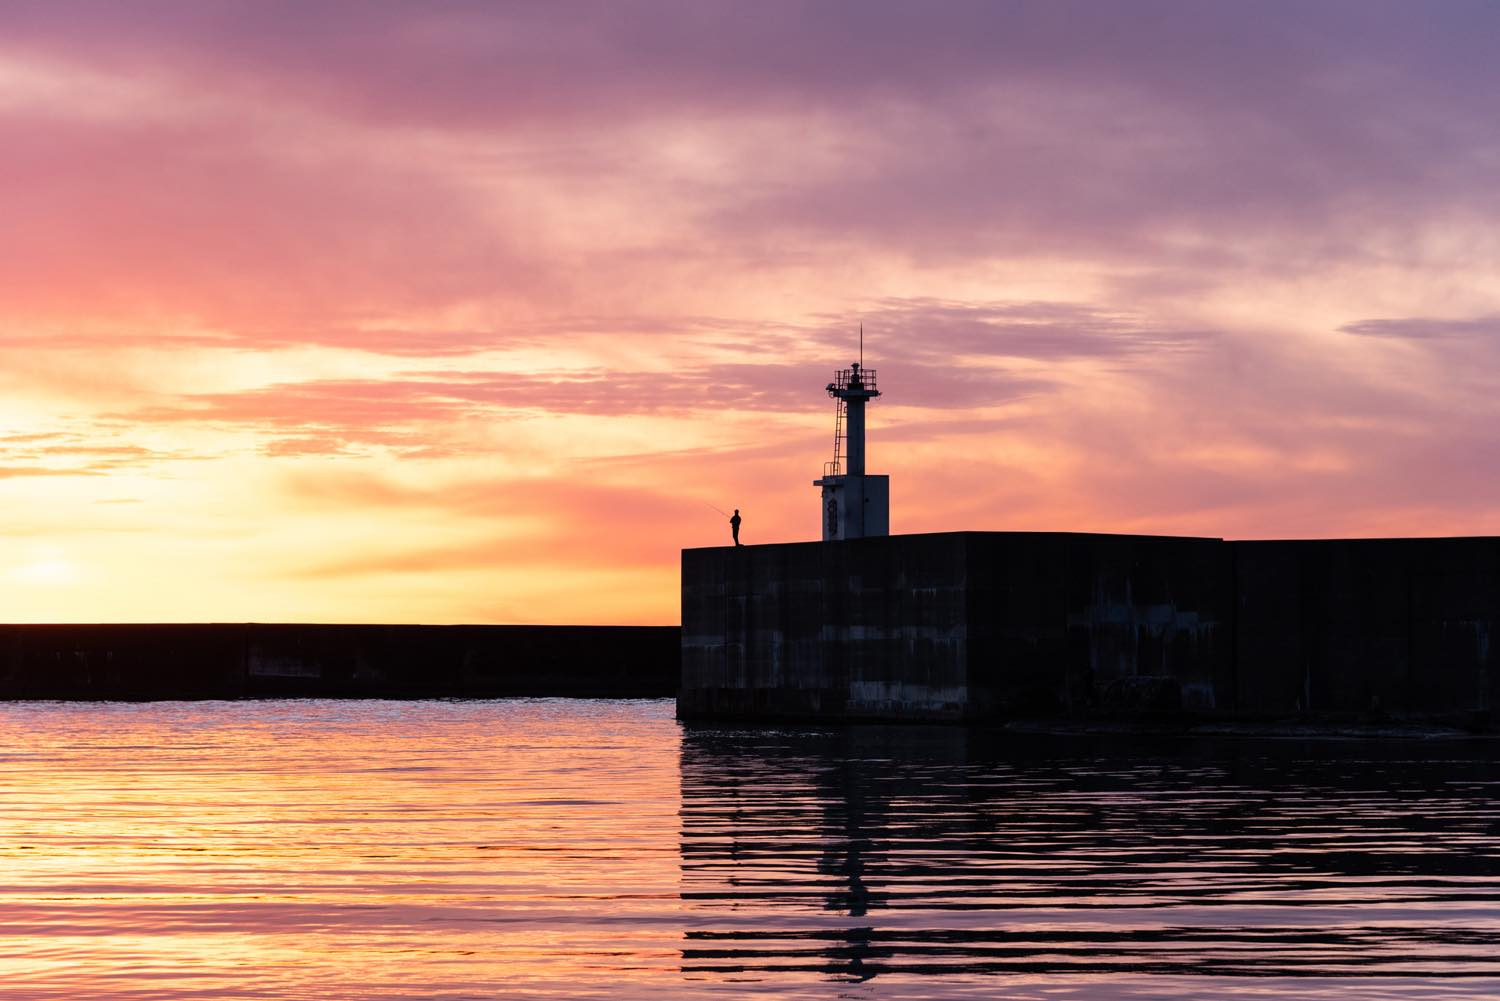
[855, 504]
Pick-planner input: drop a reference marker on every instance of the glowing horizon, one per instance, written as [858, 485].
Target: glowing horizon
[458, 313]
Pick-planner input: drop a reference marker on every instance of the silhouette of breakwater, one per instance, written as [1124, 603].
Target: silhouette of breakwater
[1007, 625]
[222, 661]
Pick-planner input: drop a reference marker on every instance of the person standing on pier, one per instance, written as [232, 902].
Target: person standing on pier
[734, 526]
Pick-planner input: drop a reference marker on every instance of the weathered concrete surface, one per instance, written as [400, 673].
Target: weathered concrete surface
[950, 626]
[857, 628]
[1008, 625]
[1066, 620]
[254, 660]
[1387, 626]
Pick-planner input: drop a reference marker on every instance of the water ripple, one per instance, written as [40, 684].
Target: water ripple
[552, 849]
[875, 853]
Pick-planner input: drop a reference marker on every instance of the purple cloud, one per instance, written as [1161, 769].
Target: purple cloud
[1417, 328]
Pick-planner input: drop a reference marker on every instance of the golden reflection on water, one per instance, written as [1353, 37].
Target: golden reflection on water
[537, 849]
[336, 849]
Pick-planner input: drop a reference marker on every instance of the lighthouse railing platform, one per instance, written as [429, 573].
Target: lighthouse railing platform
[844, 377]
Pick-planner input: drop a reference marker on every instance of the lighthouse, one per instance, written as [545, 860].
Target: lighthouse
[856, 505]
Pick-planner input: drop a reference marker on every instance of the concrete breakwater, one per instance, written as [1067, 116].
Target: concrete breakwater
[976, 625]
[218, 661]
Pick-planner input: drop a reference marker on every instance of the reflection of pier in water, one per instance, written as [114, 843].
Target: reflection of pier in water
[871, 851]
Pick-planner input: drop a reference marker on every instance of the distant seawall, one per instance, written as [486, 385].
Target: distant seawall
[1010, 625]
[225, 661]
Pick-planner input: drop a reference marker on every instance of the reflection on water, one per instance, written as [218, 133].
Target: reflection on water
[555, 849]
[337, 849]
[1101, 868]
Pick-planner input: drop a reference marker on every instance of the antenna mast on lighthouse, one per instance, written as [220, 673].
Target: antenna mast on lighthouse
[855, 504]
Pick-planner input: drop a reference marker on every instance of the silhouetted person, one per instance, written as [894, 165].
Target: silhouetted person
[734, 526]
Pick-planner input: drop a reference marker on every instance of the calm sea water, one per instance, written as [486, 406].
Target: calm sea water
[531, 849]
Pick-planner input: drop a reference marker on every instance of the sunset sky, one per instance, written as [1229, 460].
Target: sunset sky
[468, 312]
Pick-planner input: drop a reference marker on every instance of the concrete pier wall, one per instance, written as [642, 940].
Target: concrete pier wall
[1002, 625]
[865, 627]
[1061, 620]
[1399, 626]
[343, 661]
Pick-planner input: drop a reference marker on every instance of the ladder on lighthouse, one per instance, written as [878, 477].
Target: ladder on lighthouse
[835, 468]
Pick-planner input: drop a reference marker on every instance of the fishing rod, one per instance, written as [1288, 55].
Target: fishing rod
[718, 509]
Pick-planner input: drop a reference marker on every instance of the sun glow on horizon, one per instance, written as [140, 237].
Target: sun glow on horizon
[45, 571]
